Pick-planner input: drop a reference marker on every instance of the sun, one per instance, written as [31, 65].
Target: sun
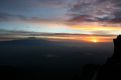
[94, 40]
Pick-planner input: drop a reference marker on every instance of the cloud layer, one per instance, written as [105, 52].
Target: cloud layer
[77, 10]
[57, 16]
[96, 10]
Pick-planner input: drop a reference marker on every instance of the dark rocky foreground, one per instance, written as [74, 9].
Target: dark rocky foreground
[112, 68]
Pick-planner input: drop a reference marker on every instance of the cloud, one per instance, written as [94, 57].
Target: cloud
[96, 11]
[22, 18]
[80, 10]
[116, 20]
[10, 17]
[6, 35]
[54, 3]
[35, 8]
[28, 4]
[84, 13]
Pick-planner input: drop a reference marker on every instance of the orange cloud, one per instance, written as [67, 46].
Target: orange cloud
[98, 29]
[97, 39]
[83, 38]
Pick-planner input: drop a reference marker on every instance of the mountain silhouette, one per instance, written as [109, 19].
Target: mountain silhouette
[112, 68]
[26, 41]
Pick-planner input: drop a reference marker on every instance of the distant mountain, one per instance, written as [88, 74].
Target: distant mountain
[27, 41]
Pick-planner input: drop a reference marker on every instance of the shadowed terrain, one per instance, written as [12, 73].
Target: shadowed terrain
[35, 59]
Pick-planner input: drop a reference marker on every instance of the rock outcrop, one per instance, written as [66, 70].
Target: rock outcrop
[111, 70]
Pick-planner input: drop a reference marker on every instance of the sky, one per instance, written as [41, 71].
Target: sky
[83, 17]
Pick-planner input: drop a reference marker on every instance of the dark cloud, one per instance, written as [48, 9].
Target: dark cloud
[79, 10]
[53, 2]
[96, 10]
[28, 4]
[116, 20]
[79, 18]
[22, 18]
[20, 34]
[10, 17]
[31, 9]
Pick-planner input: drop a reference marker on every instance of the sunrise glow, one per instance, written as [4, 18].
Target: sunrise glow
[94, 40]
[83, 38]
[93, 23]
